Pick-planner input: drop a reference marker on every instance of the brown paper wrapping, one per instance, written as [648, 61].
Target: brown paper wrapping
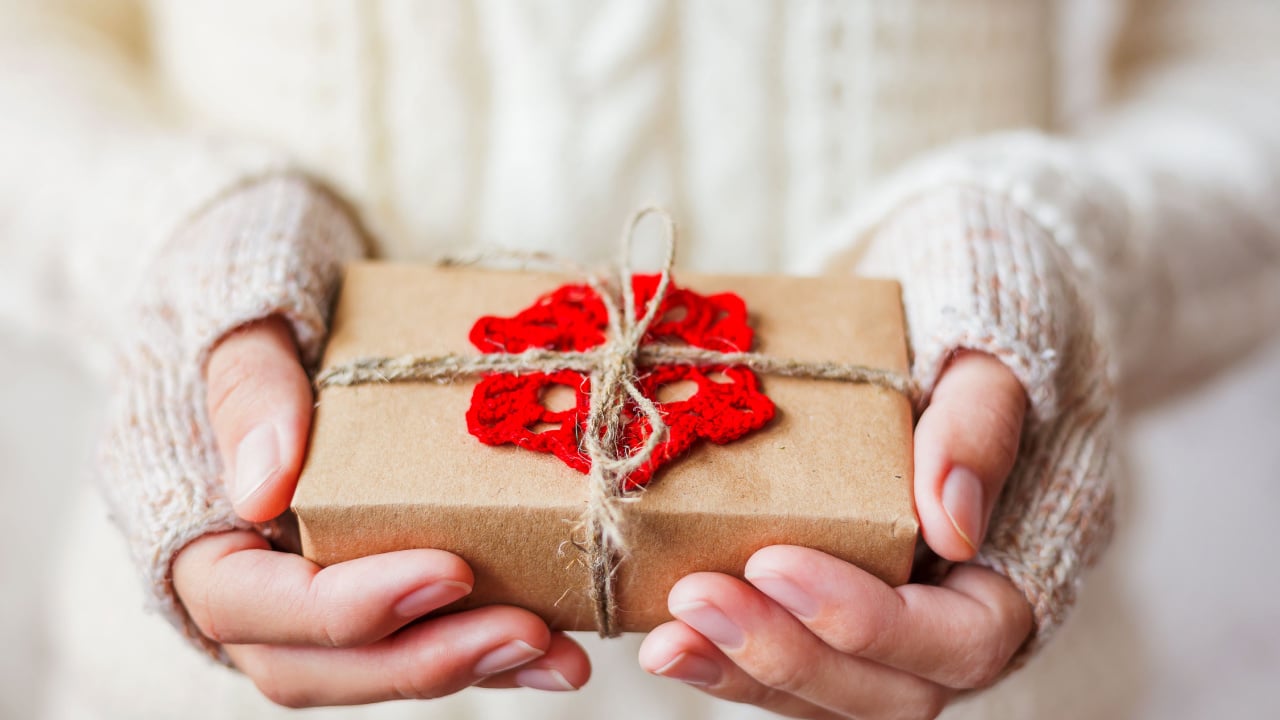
[393, 466]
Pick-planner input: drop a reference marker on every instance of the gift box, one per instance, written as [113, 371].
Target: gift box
[771, 458]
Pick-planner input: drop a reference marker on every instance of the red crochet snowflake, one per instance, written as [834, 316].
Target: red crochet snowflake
[727, 402]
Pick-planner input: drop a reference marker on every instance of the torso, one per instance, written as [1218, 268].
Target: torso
[542, 124]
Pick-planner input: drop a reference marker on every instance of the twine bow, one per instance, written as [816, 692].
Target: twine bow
[612, 369]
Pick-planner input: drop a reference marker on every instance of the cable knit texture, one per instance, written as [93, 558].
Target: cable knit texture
[1140, 248]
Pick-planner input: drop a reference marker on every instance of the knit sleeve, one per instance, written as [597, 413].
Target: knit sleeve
[1104, 267]
[275, 247]
[980, 273]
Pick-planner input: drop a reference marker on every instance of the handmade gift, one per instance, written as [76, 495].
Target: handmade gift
[584, 442]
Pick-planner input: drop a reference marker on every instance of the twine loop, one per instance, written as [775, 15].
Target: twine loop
[600, 530]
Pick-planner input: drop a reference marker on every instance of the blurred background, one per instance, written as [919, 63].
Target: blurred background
[1186, 625]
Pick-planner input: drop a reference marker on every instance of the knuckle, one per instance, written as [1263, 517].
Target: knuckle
[785, 675]
[747, 689]
[217, 610]
[1007, 437]
[231, 382]
[859, 637]
[927, 706]
[405, 690]
[195, 600]
[205, 623]
[757, 694]
[201, 608]
[1003, 423]
[420, 688]
[285, 696]
[1014, 608]
[1006, 626]
[269, 683]
[435, 677]
[868, 632]
[337, 623]
[338, 631]
[982, 670]
[919, 701]
[202, 617]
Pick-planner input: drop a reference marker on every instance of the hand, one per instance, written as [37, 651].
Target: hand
[345, 634]
[808, 635]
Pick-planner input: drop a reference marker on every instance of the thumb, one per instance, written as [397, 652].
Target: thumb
[966, 443]
[260, 405]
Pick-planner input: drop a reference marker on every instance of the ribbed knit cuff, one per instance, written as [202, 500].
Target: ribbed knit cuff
[274, 246]
[980, 273]
[977, 274]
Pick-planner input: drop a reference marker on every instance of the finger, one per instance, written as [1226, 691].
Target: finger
[238, 591]
[676, 651]
[260, 405]
[965, 445]
[428, 660]
[960, 635]
[565, 667]
[772, 646]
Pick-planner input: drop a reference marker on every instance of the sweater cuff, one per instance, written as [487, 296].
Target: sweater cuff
[274, 246]
[980, 273]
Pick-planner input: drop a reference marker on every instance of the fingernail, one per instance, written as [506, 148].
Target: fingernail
[691, 669]
[713, 624]
[962, 501]
[543, 679]
[257, 461]
[431, 596]
[787, 594]
[513, 654]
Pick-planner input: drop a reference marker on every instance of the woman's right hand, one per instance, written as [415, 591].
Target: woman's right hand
[308, 635]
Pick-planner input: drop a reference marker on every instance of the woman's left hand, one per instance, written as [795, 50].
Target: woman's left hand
[808, 635]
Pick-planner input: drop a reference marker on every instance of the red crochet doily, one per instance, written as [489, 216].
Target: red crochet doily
[727, 403]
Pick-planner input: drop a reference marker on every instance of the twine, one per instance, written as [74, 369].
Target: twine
[612, 369]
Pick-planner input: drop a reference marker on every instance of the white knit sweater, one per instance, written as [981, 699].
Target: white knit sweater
[173, 170]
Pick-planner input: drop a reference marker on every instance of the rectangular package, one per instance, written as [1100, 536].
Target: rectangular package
[393, 466]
